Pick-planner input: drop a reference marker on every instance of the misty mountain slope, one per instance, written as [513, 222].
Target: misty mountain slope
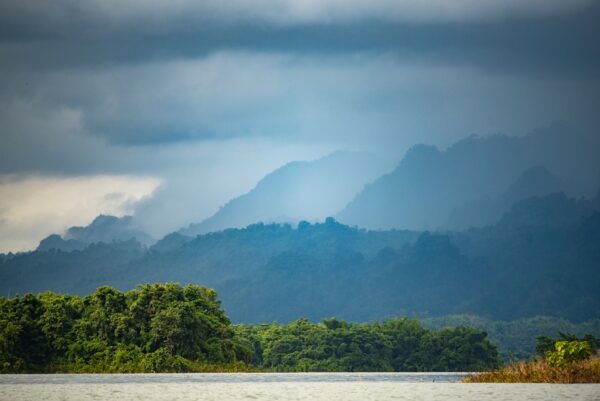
[535, 220]
[540, 259]
[297, 191]
[536, 181]
[56, 242]
[569, 154]
[506, 271]
[429, 184]
[213, 258]
[77, 271]
[238, 254]
[107, 228]
[549, 271]
[554, 210]
[103, 228]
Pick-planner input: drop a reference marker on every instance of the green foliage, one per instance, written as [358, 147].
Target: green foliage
[393, 345]
[154, 328]
[545, 345]
[23, 345]
[567, 352]
[169, 328]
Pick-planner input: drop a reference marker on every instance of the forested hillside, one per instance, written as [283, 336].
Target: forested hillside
[540, 259]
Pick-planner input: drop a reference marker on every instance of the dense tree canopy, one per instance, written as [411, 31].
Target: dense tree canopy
[167, 327]
[159, 327]
[393, 345]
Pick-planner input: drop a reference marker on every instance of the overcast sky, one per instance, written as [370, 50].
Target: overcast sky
[170, 108]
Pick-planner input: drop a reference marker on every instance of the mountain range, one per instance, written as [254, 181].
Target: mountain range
[541, 258]
[299, 190]
[475, 180]
[103, 229]
[470, 184]
[493, 226]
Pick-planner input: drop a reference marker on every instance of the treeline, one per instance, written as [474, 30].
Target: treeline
[170, 328]
[402, 345]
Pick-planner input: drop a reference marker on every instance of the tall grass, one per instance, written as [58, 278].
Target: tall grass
[540, 371]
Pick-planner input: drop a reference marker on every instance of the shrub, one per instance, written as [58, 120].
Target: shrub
[567, 352]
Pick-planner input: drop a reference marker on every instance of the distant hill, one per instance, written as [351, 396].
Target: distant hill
[541, 258]
[535, 181]
[554, 210]
[301, 190]
[71, 270]
[103, 229]
[429, 187]
[56, 242]
[516, 339]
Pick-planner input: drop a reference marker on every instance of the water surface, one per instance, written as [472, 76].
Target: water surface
[276, 386]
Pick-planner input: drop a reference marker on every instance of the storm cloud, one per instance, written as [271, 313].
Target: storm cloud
[207, 97]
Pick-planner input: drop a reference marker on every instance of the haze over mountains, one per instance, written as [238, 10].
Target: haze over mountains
[430, 187]
[532, 248]
[297, 191]
[536, 181]
[541, 258]
[470, 184]
[103, 229]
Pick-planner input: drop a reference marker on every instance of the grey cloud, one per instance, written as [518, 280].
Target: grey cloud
[166, 75]
[539, 37]
[30, 17]
[109, 120]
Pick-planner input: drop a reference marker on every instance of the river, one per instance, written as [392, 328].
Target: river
[276, 386]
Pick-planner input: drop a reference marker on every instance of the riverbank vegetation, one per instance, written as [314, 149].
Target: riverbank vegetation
[564, 361]
[170, 328]
[540, 371]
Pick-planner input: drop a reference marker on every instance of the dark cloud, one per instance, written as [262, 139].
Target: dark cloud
[558, 43]
[147, 78]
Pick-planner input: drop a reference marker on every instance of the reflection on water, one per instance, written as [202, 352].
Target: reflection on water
[276, 386]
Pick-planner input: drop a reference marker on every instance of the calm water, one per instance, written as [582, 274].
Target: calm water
[275, 386]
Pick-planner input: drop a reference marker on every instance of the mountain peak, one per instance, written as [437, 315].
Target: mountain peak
[535, 181]
[299, 190]
[106, 228]
[428, 185]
